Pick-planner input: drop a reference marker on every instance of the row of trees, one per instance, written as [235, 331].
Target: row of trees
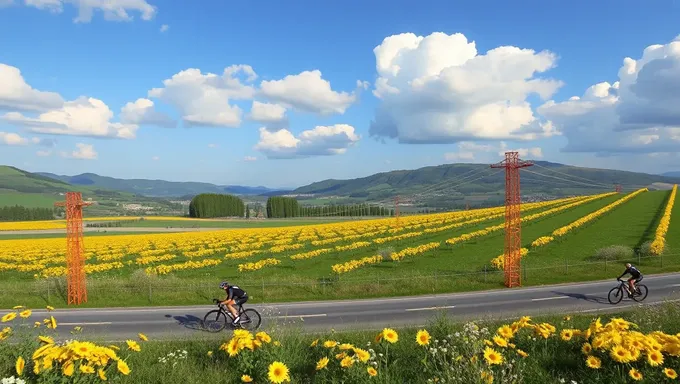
[20, 213]
[284, 207]
[208, 205]
[344, 210]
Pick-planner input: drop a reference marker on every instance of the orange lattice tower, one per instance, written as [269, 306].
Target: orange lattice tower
[513, 221]
[618, 188]
[75, 260]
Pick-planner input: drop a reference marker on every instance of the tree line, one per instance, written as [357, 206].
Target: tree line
[209, 205]
[21, 213]
[284, 207]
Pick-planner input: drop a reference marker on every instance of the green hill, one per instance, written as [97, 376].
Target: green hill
[18, 187]
[157, 188]
[455, 185]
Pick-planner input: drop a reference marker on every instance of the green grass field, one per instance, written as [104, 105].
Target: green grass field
[36, 200]
[550, 360]
[461, 267]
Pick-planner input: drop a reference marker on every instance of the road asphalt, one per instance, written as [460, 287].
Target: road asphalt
[115, 324]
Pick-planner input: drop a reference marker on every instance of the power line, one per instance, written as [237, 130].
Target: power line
[569, 175]
[567, 180]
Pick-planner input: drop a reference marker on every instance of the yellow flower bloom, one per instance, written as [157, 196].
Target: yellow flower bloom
[20, 364]
[133, 346]
[123, 367]
[346, 362]
[246, 379]
[593, 362]
[25, 313]
[635, 374]
[499, 341]
[492, 356]
[371, 371]
[86, 369]
[654, 358]
[670, 373]
[68, 368]
[143, 337]
[278, 372]
[9, 317]
[586, 348]
[322, 363]
[101, 374]
[390, 335]
[423, 338]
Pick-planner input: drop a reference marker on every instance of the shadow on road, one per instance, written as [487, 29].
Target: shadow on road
[580, 296]
[189, 322]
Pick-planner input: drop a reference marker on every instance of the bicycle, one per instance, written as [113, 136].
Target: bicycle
[250, 318]
[639, 294]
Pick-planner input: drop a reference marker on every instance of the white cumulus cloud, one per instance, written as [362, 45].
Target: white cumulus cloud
[82, 152]
[81, 117]
[533, 152]
[15, 93]
[309, 92]
[113, 10]
[250, 158]
[320, 141]
[637, 113]
[273, 115]
[11, 138]
[164, 28]
[203, 99]
[142, 112]
[438, 89]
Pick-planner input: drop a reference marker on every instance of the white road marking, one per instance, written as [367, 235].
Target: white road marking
[96, 323]
[551, 298]
[299, 316]
[429, 308]
[673, 285]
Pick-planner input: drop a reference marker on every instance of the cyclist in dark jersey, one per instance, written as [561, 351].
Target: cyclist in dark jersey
[635, 276]
[235, 296]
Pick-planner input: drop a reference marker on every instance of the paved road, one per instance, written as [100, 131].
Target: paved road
[168, 322]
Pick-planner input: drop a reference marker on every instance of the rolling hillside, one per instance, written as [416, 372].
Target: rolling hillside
[19, 187]
[455, 184]
[156, 188]
[671, 174]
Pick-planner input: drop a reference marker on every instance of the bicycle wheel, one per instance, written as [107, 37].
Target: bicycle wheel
[250, 319]
[643, 293]
[617, 297]
[215, 321]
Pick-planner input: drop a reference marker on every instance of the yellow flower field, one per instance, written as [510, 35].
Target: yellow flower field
[61, 224]
[659, 242]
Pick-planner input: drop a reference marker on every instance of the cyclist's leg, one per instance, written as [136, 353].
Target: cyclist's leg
[239, 302]
[231, 308]
[631, 287]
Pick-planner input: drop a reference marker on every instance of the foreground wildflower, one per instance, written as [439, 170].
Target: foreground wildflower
[9, 317]
[635, 374]
[390, 335]
[20, 364]
[423, 338]
[492, 356]
[371, 371]
[278, 372]
[593, 362]
[246, 379]
[670, 373]
[322, 363]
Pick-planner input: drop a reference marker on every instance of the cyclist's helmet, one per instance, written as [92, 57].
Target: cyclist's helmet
[224, 284]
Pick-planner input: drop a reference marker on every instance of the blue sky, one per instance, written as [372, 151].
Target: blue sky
[63, 57]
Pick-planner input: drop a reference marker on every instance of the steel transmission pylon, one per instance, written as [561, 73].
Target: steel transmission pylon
[75, 259]
[513, 220]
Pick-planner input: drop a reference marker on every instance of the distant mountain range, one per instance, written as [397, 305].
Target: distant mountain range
[479, 179]
[671, 174]
[157, 188]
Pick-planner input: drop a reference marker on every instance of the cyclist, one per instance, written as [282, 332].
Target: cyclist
[235, 296]
[635, 276]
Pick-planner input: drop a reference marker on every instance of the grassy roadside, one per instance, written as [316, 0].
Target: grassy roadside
[454, 353]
